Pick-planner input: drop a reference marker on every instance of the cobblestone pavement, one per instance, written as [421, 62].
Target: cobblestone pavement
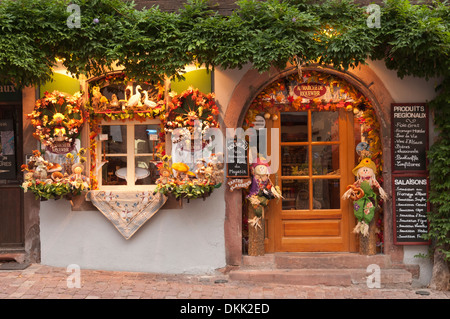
[43, 282]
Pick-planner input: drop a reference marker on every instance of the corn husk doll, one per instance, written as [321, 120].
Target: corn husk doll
[364, 195]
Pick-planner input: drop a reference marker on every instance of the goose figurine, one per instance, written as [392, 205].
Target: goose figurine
[135, 99]
[147, 102]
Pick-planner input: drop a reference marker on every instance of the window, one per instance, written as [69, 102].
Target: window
[125, 145]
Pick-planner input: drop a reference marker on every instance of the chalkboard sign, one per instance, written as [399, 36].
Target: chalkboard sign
[237, 158]
[410, 209]
[409, 137]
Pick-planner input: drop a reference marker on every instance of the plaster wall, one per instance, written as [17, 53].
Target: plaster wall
[188, 240]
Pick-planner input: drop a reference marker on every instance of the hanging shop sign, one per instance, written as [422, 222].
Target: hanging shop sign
[259, 122]
[311, 90]
[61, 147]
[410, 196]
[409, 137]
[239, 183]
[237, 159]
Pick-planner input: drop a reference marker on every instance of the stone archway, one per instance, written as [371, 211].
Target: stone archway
[251, 84]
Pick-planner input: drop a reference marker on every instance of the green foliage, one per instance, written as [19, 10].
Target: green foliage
[151, 44]
[439, 156]
[415, 39]
[187, 190]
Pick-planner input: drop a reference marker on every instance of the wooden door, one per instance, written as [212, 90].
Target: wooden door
[11, 195]
[316, 155]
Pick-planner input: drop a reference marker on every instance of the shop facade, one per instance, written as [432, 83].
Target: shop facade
[202, 235]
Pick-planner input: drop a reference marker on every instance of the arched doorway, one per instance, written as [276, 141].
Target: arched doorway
[369, 85]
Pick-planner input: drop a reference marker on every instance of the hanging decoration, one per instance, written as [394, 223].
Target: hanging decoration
[58, 119]
[309, 90]
[187, 109]
[51, 180]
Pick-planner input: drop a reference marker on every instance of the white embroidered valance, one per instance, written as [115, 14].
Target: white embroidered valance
[127, 210]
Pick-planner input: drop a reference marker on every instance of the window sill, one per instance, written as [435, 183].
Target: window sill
[80, 203]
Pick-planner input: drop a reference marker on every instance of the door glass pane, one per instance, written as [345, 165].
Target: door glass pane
[114, 172]
[296, 194]
[325, 159]
[294, 161]
[294, 126]
[326, 194]
[325, 126]
[116, 142]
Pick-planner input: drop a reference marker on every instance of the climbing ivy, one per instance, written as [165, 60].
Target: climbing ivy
[439, 169]
[152, 44]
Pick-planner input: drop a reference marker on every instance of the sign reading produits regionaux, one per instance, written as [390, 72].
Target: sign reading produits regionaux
[409, 137]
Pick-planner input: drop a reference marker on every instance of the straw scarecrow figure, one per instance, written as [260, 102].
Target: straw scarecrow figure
[364, 195]
[261, 192]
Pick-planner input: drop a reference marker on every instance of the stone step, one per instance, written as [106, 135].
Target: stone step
[329, 260]
[326, 277]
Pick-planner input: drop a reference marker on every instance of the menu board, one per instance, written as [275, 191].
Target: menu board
[237, 158]
[409, 137]
[410, 195]
[7, 150]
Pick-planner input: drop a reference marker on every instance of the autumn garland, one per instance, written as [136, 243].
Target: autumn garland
[57, 117]
[190, 106]
[356, 103]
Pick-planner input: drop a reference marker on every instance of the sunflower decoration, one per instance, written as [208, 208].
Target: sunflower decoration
[57, 117]
[189, 107]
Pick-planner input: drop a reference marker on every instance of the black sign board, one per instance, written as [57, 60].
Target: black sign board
[7, 149]
[237, 158]
[409, 137]
[410, 196]
[9, 93]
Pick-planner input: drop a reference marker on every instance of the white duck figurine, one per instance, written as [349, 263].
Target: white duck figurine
[147, 102]
[135, 99]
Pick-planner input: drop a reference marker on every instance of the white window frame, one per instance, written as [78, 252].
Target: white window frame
[130, 155]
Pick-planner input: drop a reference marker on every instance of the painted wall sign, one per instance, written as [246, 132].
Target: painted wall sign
[410, 196]
[310, 90]
[7, 150]
[239, 183]
[237, 158]
[409, 137]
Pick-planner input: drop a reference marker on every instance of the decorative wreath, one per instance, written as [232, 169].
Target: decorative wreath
[188, 107]
[57, 117]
